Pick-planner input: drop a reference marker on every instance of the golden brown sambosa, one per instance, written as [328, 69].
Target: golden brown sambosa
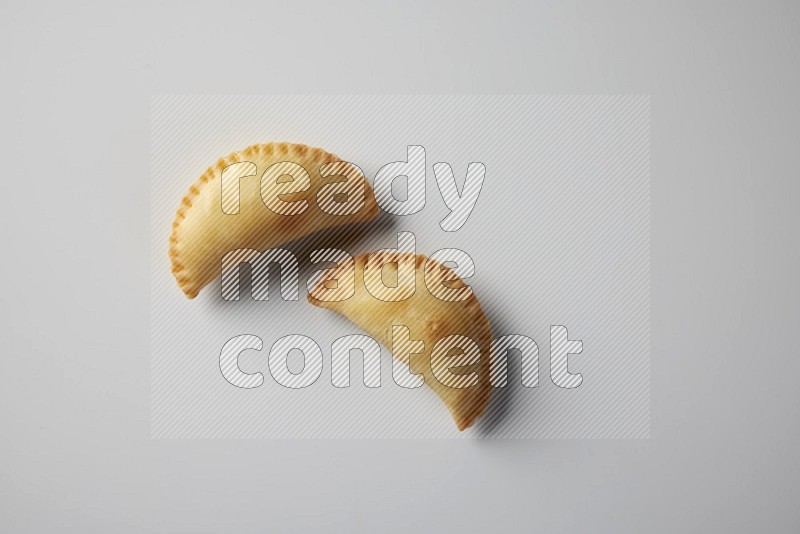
[454, 360]
[260, 198]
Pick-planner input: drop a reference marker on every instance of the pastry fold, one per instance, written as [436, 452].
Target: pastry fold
[273, 202]
[428, 319]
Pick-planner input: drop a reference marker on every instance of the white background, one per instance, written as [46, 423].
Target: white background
[75, 453]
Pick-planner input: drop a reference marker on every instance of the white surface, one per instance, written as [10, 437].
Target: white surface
[75, 453]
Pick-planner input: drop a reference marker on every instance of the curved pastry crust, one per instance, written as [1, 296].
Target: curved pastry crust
[202, 233]
[428, 319]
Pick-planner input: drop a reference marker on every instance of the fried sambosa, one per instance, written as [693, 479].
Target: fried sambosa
[456, 335]
[260, 198]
